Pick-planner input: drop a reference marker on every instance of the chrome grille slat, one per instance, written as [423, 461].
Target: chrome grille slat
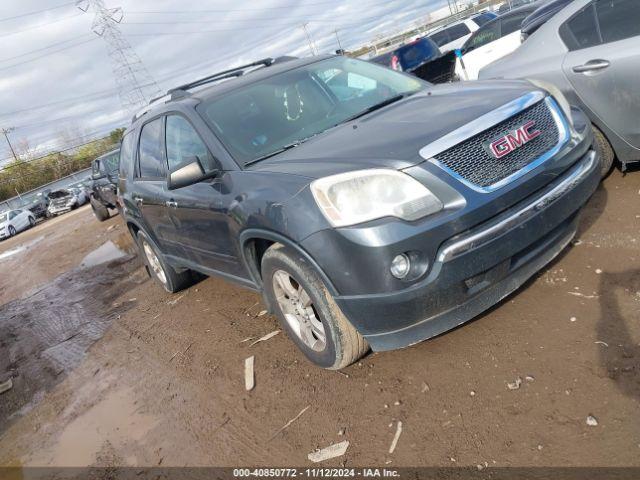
[470, 161]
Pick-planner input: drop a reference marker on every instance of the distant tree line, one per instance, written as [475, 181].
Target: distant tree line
[24, 175]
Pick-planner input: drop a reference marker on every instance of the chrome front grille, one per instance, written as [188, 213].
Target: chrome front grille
[471, 160]
[464, 153]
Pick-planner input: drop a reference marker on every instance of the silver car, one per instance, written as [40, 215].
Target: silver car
[590, 50]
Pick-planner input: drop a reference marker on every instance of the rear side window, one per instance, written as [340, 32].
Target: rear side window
[126, 155]
[440, 38]
[487, 34]
[581, 31]
[458, 31]
[184, 144]
[150, 150]
[512, 23]
[618, 19]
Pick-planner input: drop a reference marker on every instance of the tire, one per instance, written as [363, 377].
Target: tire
[12, 231]
[604, 150]
[342, 344]
[159, 269]
[100, 211]
[32, 222]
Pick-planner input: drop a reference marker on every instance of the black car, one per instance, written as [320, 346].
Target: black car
[370, 208]
[37, 203]
[422, 58]
[104, 184]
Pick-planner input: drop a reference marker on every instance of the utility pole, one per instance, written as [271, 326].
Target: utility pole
[309, 39]
[5, 132]
[338, 39]
[135, 84]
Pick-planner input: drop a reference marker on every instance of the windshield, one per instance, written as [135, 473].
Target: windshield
[59, 194]
[262, 118]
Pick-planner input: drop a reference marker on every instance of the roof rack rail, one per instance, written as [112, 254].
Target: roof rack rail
[182, 90]
[232, 72]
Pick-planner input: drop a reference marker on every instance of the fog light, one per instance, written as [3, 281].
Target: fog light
[400, 266]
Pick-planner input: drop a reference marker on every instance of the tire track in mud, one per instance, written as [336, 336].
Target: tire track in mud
[47, 334]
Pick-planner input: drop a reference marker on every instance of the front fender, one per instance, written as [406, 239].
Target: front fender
[250, 262]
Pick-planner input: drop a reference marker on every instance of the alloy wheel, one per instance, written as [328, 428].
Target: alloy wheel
[12, 230]
[154, 262]
[298, 310]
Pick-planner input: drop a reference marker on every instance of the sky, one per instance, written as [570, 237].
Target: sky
[57, 87]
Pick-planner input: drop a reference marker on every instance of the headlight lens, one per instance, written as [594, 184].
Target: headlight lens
[356, 197]
[557, 95]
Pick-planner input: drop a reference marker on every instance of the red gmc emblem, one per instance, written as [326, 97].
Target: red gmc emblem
[513, 140]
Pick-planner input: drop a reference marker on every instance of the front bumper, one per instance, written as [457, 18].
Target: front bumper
[478, 268]
[59, 210]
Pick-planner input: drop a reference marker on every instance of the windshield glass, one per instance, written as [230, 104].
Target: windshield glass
[262, 118]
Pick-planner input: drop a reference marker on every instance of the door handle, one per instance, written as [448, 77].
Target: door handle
[138, 200]
[591, 66]
[171, 204]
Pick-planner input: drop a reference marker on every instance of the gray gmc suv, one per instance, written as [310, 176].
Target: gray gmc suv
[371, 209]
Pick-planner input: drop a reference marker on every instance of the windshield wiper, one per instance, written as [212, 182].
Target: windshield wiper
[289, 146]
[376, 106]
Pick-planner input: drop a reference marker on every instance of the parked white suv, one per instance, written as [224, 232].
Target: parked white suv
[453, 36]
[492, 41]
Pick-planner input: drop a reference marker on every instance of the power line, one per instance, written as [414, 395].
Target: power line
[6, 67]
[228, 10]
[61, 150]
[26, 54]
[40, 25]
[22, 15]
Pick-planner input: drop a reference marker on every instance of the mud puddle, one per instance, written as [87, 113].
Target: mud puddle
[116, 417]
[22, 248]
[45, 335]
[109, 251]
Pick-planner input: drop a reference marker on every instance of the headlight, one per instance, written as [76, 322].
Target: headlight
[557, 95]
[364, 195]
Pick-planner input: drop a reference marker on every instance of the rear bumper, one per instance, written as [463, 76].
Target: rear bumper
[478, 268]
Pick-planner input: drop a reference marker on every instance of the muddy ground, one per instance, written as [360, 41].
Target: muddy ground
[108, 369]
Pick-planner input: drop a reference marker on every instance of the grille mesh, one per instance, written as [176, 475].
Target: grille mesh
[473, 163]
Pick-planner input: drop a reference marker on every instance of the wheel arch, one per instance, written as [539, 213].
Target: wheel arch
[254, 242]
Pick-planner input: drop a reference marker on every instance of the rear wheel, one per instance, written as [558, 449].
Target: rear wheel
[604, 150]
[32, 222]
[159, 269]
[100, 211]
[308, 312]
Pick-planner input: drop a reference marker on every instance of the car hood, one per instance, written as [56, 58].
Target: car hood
[393, 136]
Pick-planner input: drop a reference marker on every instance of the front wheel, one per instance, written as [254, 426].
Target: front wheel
[308, 312]
[32, 222]
[604, 150]
[12, 230]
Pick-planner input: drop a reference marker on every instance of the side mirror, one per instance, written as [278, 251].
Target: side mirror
[187, 173]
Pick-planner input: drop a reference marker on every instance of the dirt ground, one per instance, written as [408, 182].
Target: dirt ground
[108, 369]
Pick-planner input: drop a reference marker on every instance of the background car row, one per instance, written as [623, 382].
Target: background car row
[587, 49]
